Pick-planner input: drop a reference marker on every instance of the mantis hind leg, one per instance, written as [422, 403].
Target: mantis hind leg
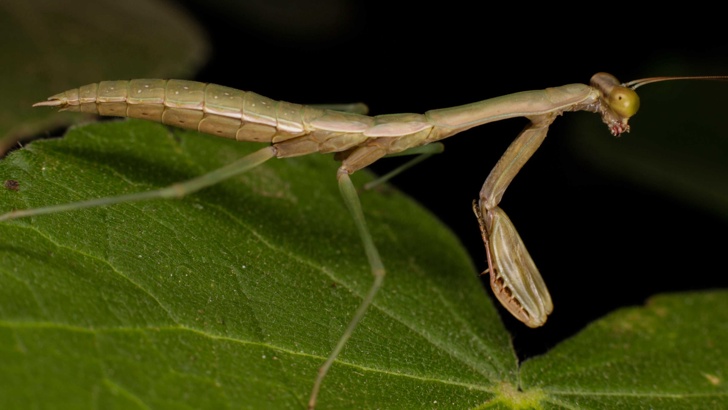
[348, 192]
[177, 190]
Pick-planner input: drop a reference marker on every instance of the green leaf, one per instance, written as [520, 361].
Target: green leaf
[671, 354]
[234, 296]
[50, 46]
[231, 297]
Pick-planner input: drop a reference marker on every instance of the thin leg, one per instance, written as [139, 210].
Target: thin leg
[177, 190]
[348, 192]
[424, 152]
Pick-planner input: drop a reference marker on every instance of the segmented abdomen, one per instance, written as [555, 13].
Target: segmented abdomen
[208, 108]
[293, 129]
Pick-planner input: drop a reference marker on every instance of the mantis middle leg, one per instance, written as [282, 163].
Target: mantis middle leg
[357, 159]
[423, 152]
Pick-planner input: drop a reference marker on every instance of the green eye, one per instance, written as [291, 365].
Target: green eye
[624, 101]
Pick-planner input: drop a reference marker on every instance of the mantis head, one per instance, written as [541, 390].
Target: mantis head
[618, 102]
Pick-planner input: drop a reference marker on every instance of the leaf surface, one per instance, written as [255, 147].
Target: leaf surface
[233, 296]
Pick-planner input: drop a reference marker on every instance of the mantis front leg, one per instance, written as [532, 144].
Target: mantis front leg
[514, 278]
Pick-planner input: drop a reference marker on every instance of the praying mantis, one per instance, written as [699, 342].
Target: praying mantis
[358, 141]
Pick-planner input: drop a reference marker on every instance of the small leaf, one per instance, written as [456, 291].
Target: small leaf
[670, 354]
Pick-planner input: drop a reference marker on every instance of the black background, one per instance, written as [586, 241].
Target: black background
[618, 243]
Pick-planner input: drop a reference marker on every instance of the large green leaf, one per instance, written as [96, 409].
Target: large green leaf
[234, 296]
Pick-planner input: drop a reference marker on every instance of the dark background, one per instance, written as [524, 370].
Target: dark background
[601, 242]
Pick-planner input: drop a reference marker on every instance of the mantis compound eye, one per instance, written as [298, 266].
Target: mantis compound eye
[624, 101]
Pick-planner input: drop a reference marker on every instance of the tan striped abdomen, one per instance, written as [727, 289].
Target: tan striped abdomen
[208, 108]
